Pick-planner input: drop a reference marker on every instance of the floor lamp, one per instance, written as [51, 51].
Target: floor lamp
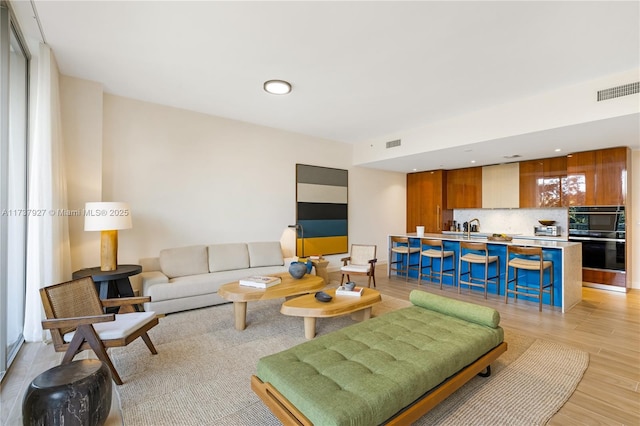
[298, 226]
[108, 218]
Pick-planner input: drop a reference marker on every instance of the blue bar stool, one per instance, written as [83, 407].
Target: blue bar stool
[477, 253]
[399, 246]
[435, 250]
[530, 259]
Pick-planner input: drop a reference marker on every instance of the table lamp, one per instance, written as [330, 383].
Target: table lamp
[298, 226]
[108, 218]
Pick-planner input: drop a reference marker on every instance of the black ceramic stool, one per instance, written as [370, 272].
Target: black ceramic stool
[77, 393]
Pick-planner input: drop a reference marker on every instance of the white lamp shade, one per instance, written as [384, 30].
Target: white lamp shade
[107, 216]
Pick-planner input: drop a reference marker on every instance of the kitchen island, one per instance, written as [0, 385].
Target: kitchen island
[566, 257]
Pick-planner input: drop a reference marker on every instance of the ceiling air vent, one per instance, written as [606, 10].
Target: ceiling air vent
[391, 144]
[616, 92]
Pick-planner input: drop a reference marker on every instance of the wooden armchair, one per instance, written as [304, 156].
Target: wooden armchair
[362, 261]
[77, 322]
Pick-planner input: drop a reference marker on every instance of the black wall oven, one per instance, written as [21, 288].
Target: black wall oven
[601, 230]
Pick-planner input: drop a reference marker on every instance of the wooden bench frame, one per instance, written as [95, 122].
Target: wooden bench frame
[288, 414]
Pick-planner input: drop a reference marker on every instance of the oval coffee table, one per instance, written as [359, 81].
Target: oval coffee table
[309, 308]
[289, 286]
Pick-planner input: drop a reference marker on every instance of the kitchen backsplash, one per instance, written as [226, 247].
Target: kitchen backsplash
[513, 221]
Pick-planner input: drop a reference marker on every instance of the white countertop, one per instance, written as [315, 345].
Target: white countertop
[519, 236]
[545, 242]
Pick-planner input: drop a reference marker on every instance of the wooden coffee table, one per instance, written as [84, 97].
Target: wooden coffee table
[309, 308]
[289, 286]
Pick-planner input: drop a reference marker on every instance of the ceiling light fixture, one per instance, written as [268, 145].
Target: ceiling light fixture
[277, 87]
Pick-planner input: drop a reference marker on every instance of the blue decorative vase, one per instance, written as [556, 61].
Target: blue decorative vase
[297, 270]
[309, 266]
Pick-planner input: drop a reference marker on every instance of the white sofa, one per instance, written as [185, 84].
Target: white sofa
[189, 277]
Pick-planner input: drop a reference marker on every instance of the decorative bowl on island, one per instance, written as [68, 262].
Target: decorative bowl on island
[500, 237]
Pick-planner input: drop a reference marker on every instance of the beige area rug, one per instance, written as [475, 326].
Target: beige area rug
[201, 375]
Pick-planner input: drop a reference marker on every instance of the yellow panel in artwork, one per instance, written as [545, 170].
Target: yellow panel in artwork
[323, 245]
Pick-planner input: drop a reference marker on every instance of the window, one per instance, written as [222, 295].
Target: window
[14, 77]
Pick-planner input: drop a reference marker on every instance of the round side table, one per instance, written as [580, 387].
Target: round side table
[77, 393]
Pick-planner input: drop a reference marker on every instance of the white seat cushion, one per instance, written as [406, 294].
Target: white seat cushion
[405, 250]
[437, 253]
[531, 265]
[363, 269]
[124, 325]
[477, 258]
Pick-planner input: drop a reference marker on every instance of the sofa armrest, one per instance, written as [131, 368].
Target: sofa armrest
[153, 277]
[150, 264]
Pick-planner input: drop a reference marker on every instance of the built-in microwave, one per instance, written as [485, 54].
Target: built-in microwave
[596, 219]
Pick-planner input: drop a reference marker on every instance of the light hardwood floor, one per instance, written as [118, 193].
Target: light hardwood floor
[605, 324]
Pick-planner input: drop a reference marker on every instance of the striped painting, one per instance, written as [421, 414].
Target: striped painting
[321, 203]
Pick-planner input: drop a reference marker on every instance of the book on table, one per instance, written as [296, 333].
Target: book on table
[357, 291]
[260, 281]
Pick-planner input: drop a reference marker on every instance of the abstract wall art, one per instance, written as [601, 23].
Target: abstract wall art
[321, 209]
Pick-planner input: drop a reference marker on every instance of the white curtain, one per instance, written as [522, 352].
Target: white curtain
[48, 249]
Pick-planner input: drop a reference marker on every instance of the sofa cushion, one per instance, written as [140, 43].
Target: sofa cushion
[182, 261]
[226, 257]
[265, 254]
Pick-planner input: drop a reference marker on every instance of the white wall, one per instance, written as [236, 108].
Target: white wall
[81, 106]
[192, 178]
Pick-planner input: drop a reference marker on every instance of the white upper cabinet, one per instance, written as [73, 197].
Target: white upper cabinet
[501, 186]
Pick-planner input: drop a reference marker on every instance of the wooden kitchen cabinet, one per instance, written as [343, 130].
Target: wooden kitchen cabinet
[464, 188]
[426, 196]
[543, 182]
[597, 178]
[611, 176]
[414, 200]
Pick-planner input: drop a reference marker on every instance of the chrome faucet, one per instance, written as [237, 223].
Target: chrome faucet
[469, 227]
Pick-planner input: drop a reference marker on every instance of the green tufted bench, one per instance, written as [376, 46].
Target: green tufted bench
[390, 369]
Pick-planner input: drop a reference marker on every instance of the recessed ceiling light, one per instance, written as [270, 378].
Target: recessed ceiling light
[415, 170]
[473, 161]
[277, 87]
[558, 150]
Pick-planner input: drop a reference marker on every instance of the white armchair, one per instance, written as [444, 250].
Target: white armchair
[362, 261]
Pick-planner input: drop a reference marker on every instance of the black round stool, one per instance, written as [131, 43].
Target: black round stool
[78, 393]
